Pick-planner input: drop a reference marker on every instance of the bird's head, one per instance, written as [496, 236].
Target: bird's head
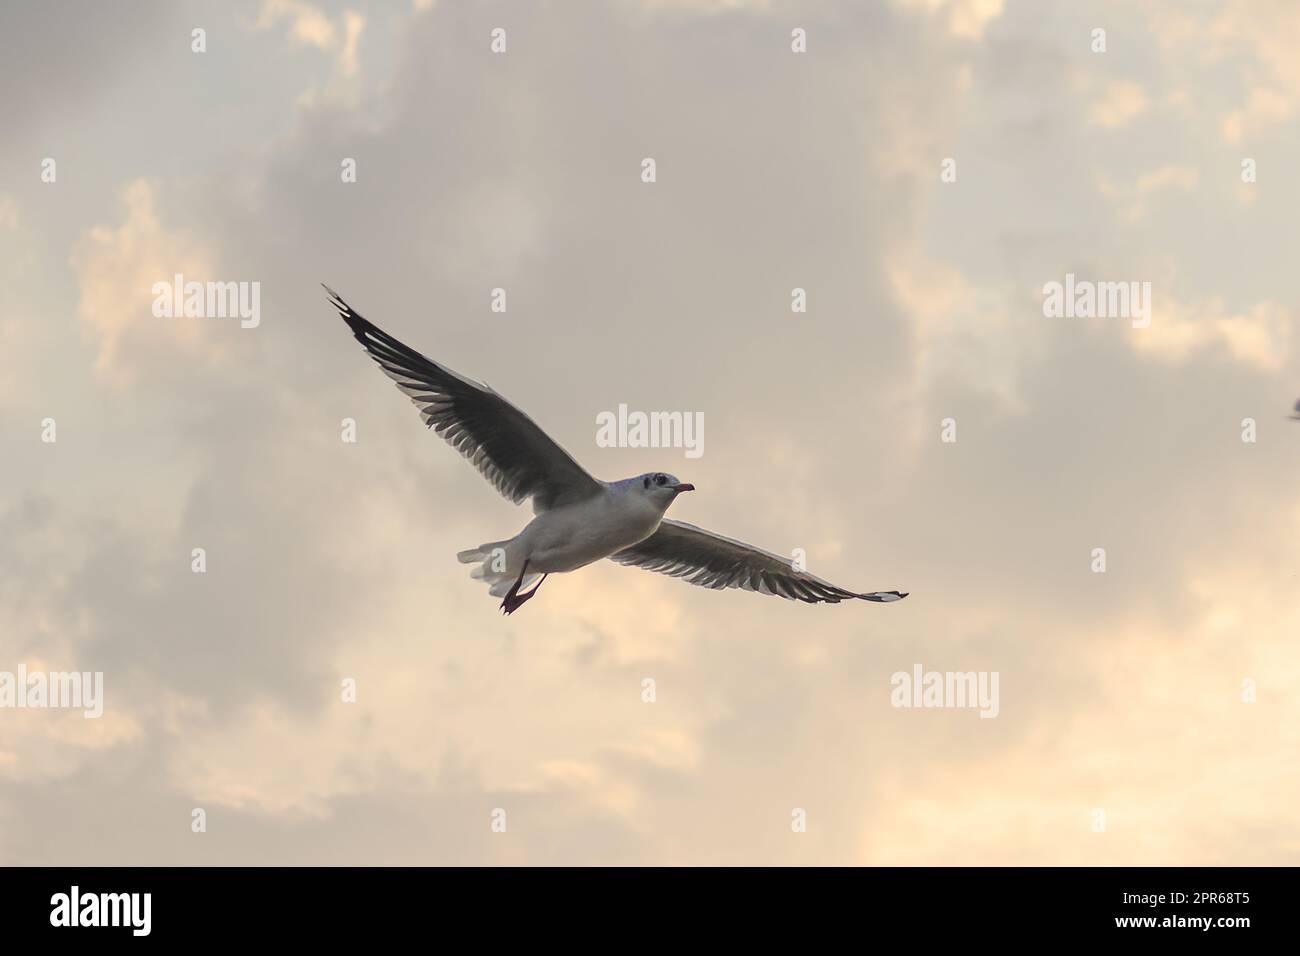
[660, 487]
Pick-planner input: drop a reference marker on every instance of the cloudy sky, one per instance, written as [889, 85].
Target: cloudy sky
[1149, 713]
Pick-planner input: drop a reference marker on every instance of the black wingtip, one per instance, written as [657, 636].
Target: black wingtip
[336, 300]
[884, 597]
[354, 319]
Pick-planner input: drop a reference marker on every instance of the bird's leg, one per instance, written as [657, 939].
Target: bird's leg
[525, 596]
[513, 599]
[518, 601]
[508, 602]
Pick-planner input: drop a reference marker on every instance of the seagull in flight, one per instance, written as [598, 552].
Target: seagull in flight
[578, 519]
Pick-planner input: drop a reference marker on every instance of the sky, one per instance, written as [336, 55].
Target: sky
[1101, 515]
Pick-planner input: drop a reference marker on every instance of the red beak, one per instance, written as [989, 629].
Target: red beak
[683, 487]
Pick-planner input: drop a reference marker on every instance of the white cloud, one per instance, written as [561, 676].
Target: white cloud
[1266, 107]
[116, 269]
[307, 25]
[1260, 335]
[1118, 105]
[1132, 201]
[966, 19]
[1257, 40]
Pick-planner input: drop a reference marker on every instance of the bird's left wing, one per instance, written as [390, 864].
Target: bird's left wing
[503, 443]
[713, 561]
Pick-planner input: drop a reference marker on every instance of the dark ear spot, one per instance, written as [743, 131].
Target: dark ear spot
[646, 481]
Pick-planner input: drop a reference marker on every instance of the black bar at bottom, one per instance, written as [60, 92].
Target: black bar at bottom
[330, 906]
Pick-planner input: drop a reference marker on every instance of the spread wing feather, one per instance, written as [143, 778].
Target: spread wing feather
[507, 447]
[714, 561]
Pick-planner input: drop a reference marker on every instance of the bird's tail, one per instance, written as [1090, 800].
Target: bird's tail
[497, 565]
[482, 552]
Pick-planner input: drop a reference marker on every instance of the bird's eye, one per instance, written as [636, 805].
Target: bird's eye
[660, 479]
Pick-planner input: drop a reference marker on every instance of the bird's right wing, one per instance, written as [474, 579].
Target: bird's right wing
[713, 561]
[503, 443]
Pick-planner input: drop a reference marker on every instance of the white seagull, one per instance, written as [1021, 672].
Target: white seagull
[579, 519]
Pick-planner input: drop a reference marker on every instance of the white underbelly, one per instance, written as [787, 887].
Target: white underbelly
[570, 538]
